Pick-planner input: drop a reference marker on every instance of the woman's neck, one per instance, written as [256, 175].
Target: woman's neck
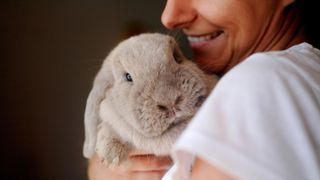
[284, 31]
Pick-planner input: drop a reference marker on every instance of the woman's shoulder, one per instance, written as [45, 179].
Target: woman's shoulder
[295, 70]
[301, 61]
[302, 55]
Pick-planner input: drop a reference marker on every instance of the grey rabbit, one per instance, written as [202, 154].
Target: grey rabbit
[143, 97]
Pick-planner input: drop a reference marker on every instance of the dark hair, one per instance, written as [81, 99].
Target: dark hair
[310, 13]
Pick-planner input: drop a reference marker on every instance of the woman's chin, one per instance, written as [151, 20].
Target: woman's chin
[211, 55]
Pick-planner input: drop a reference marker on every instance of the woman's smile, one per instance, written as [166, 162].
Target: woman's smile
[196, 39]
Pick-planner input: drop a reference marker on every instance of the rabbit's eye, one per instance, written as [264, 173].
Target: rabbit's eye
[177, 57]
[128, 77]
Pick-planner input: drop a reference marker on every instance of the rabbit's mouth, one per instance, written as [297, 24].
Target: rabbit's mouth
[179, 123]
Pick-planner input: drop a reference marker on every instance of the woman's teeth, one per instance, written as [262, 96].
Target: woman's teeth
[203, 38]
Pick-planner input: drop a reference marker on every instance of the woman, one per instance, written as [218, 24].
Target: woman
[261, 120]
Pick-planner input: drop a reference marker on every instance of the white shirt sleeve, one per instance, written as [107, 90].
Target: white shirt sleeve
[262, 120]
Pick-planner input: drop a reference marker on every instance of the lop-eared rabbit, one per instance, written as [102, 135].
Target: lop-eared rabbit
[143, 97]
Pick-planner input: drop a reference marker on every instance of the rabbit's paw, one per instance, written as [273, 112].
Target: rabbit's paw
[112, 153]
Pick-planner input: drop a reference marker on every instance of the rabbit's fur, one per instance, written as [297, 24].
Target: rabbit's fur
[149, 112]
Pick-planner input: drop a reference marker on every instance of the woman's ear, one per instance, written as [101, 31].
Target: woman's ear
[103, 81]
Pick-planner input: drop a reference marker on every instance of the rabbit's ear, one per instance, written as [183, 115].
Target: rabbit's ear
[102, 82]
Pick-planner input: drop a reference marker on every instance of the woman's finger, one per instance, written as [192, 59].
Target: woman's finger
[149, 162]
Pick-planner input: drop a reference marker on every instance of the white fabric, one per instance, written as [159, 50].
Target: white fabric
[262, 121]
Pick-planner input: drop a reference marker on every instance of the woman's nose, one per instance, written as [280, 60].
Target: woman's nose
[177, 14]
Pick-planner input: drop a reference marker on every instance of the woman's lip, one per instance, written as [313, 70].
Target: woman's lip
[199, 40]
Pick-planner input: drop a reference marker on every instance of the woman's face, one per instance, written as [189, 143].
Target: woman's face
[221, 33]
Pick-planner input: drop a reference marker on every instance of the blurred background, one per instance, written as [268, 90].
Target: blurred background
[50, 53]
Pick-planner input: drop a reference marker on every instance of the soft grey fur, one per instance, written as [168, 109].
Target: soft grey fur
[150, 112]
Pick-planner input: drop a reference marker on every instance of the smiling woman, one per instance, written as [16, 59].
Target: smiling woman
[223, 33]
[260, 121]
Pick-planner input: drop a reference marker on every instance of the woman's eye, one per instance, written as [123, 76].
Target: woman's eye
[128, 77]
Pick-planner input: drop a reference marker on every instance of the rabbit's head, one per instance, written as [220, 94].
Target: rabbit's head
[148, 91]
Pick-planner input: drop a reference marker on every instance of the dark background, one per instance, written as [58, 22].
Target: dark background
[50, 52]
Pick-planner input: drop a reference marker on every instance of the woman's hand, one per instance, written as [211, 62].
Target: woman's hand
[142, 166]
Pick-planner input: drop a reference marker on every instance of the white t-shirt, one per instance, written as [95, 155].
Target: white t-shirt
[261, 121]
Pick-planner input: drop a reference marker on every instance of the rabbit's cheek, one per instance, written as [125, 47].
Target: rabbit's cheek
[152, 124]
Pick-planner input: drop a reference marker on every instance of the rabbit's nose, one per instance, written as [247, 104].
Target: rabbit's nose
[171, 109]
